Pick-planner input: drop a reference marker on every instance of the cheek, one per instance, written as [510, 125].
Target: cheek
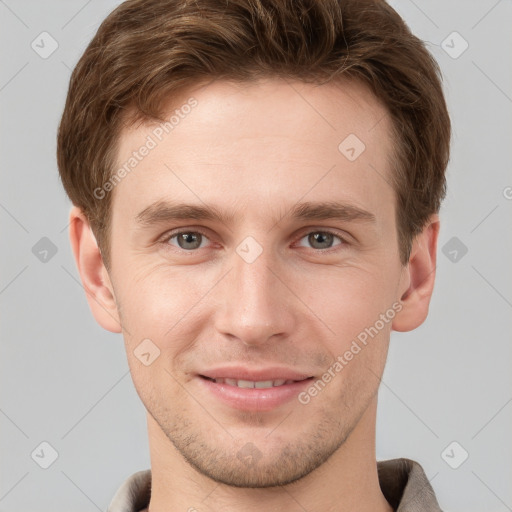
[158, 386]
[158, 313]
[357, 306]
[156, 299]
[349, 299]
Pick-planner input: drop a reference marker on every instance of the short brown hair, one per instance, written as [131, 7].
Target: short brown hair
[147, 51]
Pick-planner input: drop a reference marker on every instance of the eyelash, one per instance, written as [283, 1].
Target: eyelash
[168, 236]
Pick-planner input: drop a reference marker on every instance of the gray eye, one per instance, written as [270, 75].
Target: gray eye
[324, 240]
[188, 240]
[321, 239]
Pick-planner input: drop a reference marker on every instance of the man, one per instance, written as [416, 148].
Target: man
[256, 187]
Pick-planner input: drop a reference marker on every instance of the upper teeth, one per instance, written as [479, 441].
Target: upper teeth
[253, 384]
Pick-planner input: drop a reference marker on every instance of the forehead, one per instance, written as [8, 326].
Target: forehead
[251, 143]
[275, 107]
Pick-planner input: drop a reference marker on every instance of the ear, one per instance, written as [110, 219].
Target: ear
[94, 275]
[418, 276]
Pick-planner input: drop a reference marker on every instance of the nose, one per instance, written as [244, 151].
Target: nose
[257, 304]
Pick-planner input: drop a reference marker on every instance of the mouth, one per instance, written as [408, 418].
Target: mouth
[256, 394]
[250, 384]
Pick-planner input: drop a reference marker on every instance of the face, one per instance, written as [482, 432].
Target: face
[297, 259]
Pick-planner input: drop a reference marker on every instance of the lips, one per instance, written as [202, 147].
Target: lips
[253, 389]
[267, 374]
[248, 384]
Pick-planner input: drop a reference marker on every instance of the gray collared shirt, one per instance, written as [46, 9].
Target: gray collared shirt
[403, 483]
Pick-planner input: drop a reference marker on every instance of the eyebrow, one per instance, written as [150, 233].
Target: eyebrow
[165, 211]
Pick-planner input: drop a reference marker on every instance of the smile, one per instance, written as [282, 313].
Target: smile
[261, 384]
[252, 395]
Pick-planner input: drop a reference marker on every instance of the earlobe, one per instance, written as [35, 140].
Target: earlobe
[418, 278]
[94, 276]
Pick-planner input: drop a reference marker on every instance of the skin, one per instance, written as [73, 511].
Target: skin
[254, 150]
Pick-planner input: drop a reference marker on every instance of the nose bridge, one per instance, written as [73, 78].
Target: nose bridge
[255, 306]
[253, 271]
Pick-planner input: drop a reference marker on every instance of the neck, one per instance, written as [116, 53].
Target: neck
[346, 482]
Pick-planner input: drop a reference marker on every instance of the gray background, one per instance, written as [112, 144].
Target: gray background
[65, 381]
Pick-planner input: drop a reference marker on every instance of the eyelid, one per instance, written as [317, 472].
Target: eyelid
[170, 234]
[342, 235]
